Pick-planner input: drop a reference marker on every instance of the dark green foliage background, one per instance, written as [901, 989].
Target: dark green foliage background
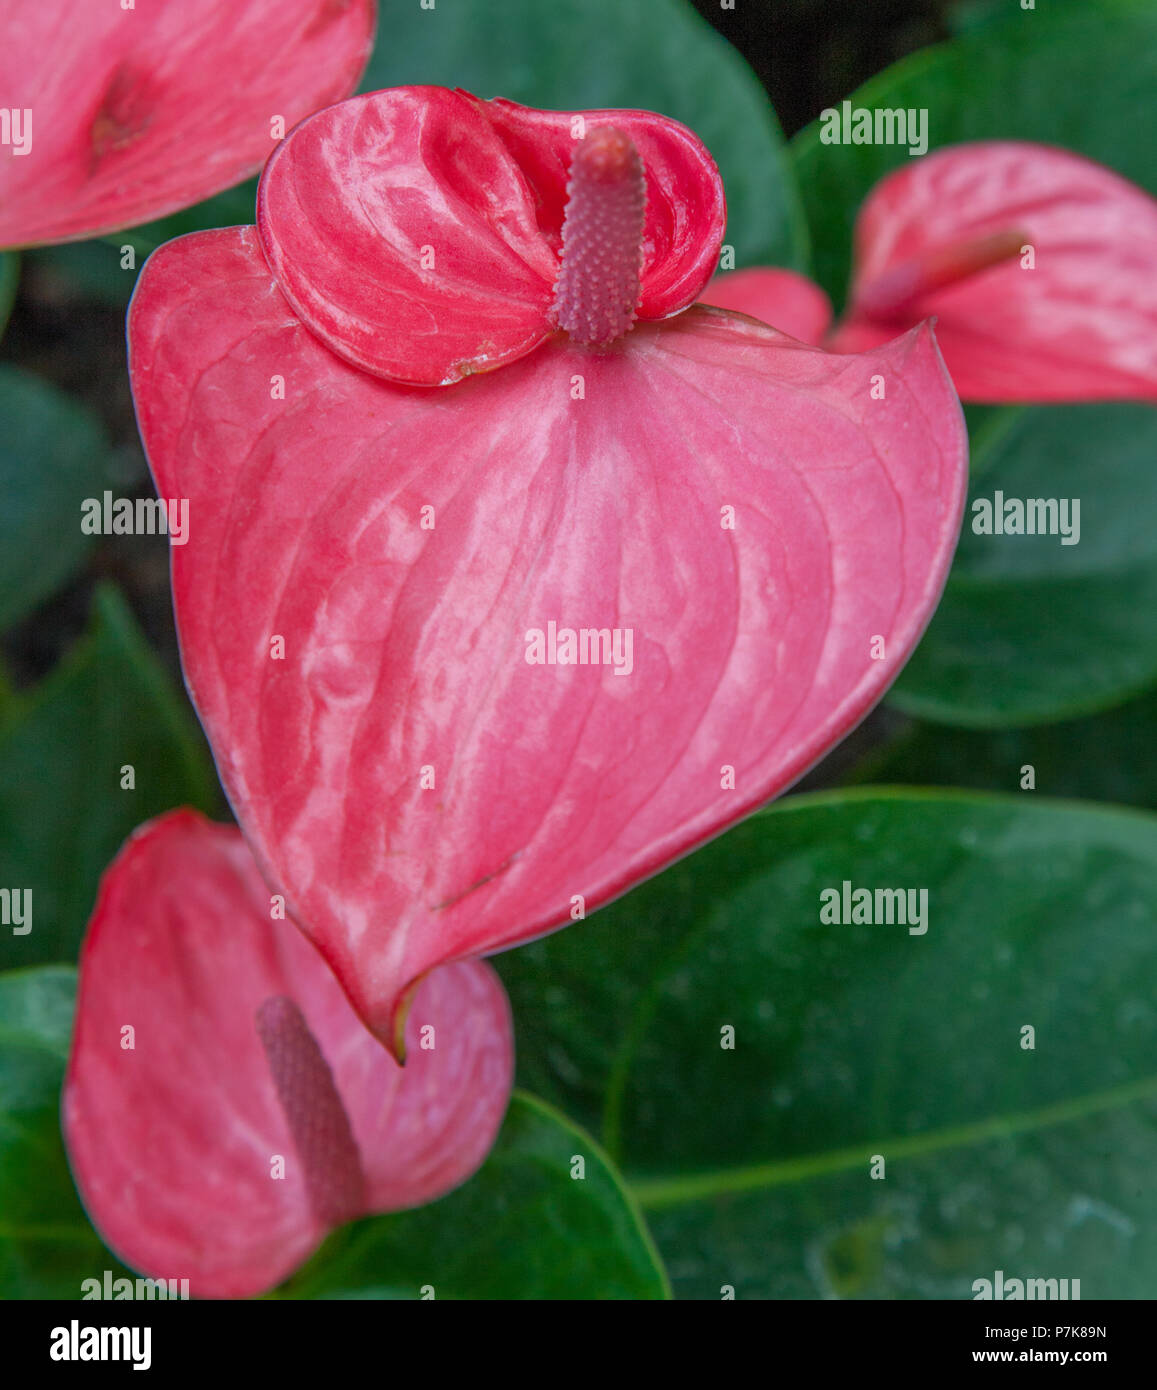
[706, 1168]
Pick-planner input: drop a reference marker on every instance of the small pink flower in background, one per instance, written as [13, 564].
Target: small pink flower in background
[134, 113]
[1037, 265]
[743, 536]
[211, 1041]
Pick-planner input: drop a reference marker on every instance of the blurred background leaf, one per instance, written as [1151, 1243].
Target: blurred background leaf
[1078, 75]
[1104, 758]
[9, 700]
[522, 1228]
[90, 269]
[9, 279]
[657, 55]
[752, 1164]
[63, 813]
[974, 15]
[47, 1246]
[53, 454]
[1030, 630]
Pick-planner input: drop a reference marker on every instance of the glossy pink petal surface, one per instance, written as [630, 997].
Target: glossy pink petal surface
[418, 230]
[171, 1141]
[1081, 325]
[136, 113]
[405, 648]
[790, 302]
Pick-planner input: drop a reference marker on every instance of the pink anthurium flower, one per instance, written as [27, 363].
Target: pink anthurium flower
[119, 115]
[1036, 264]
[224, 1107]
[417, 231]
[474, 660]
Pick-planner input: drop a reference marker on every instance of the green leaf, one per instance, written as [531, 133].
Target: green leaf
[522, 1228]
[1029, 629]
[1122, 769]
[655, 55]
[971, 16]
[753, 1163]
[91, 269]
[46, 1243]
[9, 280]
[10, 701]
[63, 813]
[1027, 78]
[53, 454]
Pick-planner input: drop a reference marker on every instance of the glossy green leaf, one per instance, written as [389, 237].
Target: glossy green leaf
[753, 1163]
[524, 1227]
[1031, 629]
[1081, 75]
[1107, 757]
[53, 454]
[657, 55]
[47, 1246]
[63, 810]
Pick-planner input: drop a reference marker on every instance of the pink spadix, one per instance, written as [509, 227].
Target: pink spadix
[602, 238]
[314, 1112]
[898, 290]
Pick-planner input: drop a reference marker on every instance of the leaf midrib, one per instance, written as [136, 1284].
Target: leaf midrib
[659, 1193]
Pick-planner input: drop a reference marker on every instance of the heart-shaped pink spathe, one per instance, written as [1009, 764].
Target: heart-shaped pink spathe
[417, 231]
[171, 1109]
[138, 112]
[370, 567]
[1080, 324]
